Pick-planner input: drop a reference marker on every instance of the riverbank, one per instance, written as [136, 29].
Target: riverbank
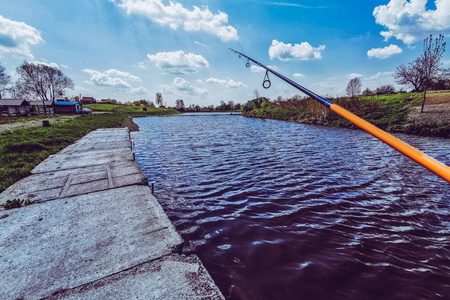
[91, 229]
[24, 148]
[394, 113]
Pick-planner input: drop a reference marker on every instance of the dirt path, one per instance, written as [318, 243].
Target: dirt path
[436, 110]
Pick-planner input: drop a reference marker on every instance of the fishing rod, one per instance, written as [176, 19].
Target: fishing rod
[431, 164]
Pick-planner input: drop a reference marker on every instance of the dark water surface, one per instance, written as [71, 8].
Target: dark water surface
[277, 210]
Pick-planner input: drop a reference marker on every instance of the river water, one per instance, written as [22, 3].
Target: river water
[277, 210]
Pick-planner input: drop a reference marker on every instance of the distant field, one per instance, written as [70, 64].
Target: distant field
[131, 109]
[438, 97]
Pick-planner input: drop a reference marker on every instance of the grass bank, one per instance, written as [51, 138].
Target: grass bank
[32, 118]
[23, 149]
[134, 110]
[389, 112]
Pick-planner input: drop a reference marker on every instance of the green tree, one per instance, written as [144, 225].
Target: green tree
[42, 81]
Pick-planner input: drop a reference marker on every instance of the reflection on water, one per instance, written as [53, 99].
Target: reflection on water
[277, 210]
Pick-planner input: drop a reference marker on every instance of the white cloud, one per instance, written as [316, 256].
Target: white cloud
[354, 75]
[16, 38]
[384, 52]
[139, 91]
[286, 52]
[125, 75]
[175, 16]
[200, 44]
[258, 69]
[229, 83]
[111, 78]
[384, 75]
[410, 21]
[140, 65]
[181, 85]
[299, 75]
[278, 3]
[54, 65]
[178, 62]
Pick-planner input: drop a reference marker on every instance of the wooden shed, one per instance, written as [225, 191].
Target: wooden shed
[66, 107]
[14, 107]
[37, 107]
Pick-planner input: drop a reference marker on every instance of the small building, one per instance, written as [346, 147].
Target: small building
[39, 107]
[14, 107]
[66, 107]
[88, 100]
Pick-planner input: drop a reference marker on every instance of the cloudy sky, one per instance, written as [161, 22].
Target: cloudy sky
[131, 49]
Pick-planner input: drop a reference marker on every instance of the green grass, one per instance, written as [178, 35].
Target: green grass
[22, 149]
[135, 110]
[388, 112]
[31, 118]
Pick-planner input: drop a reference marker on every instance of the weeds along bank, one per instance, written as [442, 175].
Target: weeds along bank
[23, 149]
[389, 112]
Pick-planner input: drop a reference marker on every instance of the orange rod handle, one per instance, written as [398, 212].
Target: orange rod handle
[421, 158]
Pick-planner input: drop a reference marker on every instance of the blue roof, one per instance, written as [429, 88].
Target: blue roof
[65, 103]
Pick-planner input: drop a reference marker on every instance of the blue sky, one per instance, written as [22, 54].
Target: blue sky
[131, 49]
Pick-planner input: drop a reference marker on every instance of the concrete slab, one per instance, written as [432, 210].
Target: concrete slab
[61, 161]
[110, 134]
[70, 242]
[171, 277]
[95, 145]
[59, 184]
[114, 138]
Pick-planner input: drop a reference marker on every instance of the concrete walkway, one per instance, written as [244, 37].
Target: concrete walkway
[94, 231]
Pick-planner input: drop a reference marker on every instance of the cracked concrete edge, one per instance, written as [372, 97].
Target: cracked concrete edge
[151, 280]
[52, 191]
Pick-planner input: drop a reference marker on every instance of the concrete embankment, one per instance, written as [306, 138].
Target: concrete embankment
[94, 231]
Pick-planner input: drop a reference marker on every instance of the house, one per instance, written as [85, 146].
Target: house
[37, 107]
[88, 100]
[14, 107]
[66, 107]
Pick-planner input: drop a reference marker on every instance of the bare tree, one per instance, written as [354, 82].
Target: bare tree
[385, 89]
[425, 70]
[354, 87]
[256, 94]
[44, 82]
[159, 99]
[180, 104]
[410, 75]
[367, 92]
[4, 80]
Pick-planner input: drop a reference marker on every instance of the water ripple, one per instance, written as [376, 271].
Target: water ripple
[277, 210]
